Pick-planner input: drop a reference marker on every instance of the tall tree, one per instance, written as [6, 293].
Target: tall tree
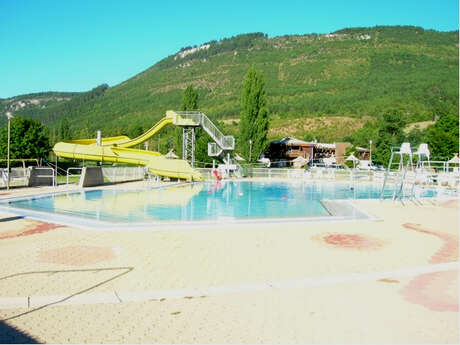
[254, 121]
[64, 130]
[390, 133]
[442, 137]
[190, 102]
[28, 139]
[189, 99]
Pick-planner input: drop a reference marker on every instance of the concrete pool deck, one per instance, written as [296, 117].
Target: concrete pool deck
[390, 280]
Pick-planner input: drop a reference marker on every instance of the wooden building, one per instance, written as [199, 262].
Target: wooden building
[363, 153]
[287, 149]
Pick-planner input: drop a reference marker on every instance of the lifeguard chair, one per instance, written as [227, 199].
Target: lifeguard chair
[402, 151]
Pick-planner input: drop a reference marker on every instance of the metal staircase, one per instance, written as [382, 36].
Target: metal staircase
[190, 119]
[195, 119]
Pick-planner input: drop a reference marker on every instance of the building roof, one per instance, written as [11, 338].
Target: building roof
[325, 146]
[300, 159]
[171, 155]
[291, 142]
[454, 160]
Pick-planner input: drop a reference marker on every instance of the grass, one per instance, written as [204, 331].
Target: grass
[61, 179]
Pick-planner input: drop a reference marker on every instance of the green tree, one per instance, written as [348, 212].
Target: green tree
[190, 102]
[189, 99]
[390, 133]
[64, 130]
[442, 137]
[28, 139]
[86, 131]
[254, 120]
[134, 130]
[415, 137]
[361, 137]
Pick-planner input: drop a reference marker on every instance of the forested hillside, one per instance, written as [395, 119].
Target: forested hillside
[353, 73]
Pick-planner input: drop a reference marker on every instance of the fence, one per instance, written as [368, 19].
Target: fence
[302, 174]
[123, 174]
[206, 172]
[314, 173]
[40, 177]
[19, 177]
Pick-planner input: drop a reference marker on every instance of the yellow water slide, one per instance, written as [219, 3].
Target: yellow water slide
[117, 149]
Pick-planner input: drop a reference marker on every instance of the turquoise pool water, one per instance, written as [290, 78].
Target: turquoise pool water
[203, 201]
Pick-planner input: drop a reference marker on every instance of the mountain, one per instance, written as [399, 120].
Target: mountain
[313, 81]
[34, 103]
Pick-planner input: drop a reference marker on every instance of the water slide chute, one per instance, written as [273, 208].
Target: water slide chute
[118, 150]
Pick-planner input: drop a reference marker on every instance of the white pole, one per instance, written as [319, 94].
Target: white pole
[9, 116]
[250, 149]
[8, 156]
[370, 152]
[228, 164]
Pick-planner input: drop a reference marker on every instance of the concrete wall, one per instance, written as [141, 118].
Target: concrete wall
[91, 176]
[40, 177]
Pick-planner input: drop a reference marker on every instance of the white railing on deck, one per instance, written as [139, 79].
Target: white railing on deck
[68, 174]
[206, 173]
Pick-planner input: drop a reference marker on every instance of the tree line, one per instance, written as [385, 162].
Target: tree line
[388, 131]
[31, 139]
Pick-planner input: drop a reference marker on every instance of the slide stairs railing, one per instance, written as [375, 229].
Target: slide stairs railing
[195, 119]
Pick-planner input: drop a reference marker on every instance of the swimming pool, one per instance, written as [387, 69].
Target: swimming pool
[228, 200]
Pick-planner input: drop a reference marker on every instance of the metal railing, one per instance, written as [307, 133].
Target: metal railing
[53, 176]
[193, 118]
[206, 173]
[406, 184]
[434, 166]
[214, 150]
[22, 160]
[225, 142]
[313, 173]
[68, 173]
[188, 118]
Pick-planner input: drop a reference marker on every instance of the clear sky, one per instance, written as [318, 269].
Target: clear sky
[75, 45]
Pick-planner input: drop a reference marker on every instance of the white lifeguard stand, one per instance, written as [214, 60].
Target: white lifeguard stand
[454, 160]
[401, 151]
[405, 149]
[421, 153]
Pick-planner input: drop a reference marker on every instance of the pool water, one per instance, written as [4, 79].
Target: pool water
[203, 201]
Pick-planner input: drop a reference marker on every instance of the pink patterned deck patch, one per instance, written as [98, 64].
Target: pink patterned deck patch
[449, 250]
[351, 241]
[30, 227]
[449, 204]
[436, 291]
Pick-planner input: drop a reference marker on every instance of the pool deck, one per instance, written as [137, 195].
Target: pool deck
[393, 279]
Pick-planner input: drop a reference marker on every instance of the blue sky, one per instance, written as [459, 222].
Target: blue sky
[75, 45]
